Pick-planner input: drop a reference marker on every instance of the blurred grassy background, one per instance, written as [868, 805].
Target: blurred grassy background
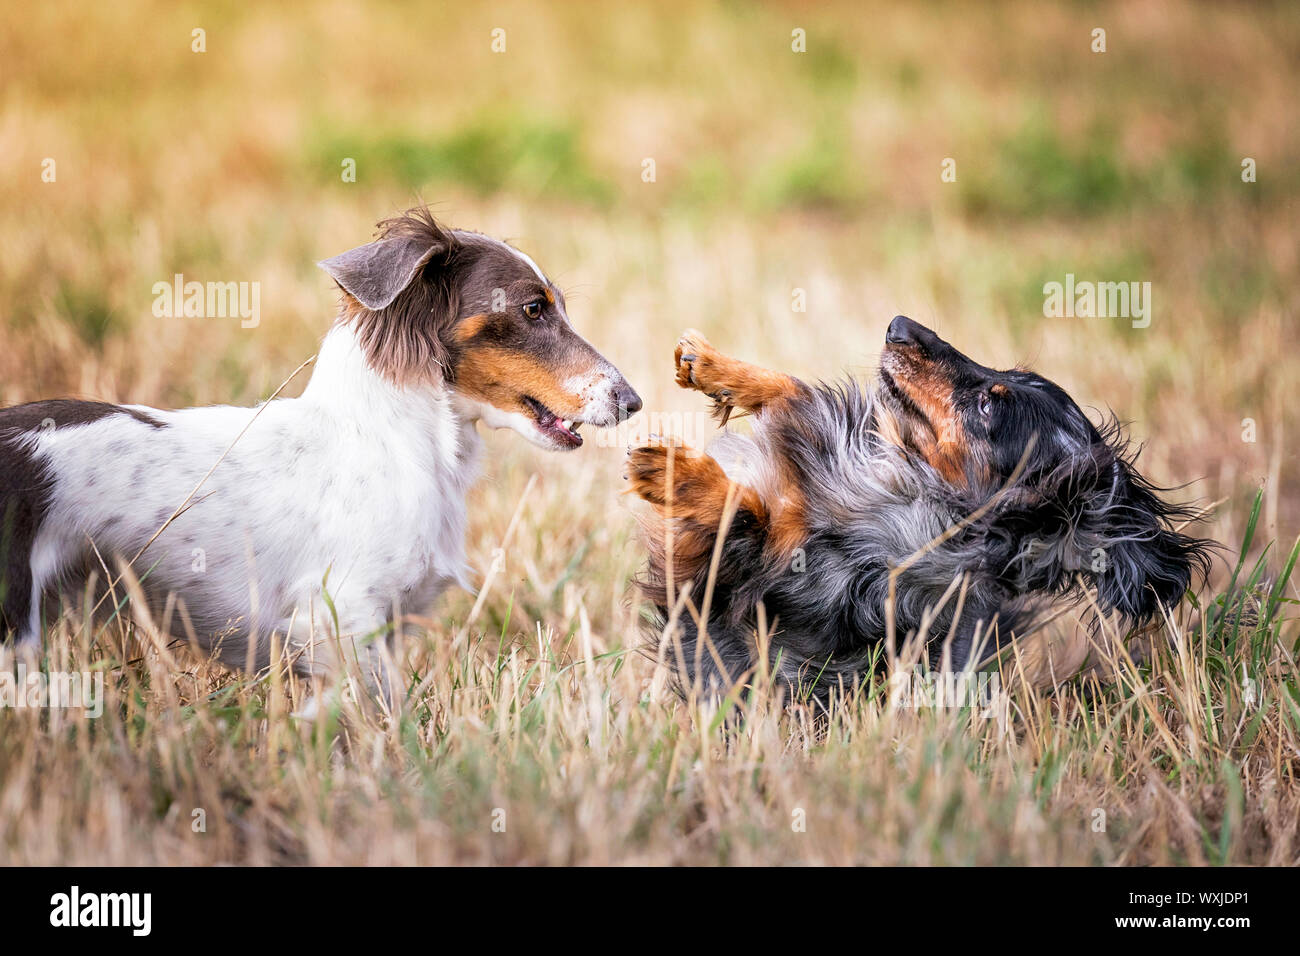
[775, 171]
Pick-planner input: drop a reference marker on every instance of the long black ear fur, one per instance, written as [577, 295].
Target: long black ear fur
[1140, 565]
[1096, 518]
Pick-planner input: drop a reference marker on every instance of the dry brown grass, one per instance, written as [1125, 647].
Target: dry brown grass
[563, 750]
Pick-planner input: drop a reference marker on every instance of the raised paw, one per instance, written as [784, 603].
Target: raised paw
[697, 362]
[647, 470]
[699, 366]
[700, 491]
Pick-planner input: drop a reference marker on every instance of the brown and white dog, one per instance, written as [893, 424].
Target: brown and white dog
[350, 497]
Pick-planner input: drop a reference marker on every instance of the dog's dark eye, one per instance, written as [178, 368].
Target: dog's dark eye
[986, 405]
[533, 309]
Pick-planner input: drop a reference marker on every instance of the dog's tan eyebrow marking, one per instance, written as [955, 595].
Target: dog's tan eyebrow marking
[999, 389]
[550, 296]
[471, 326]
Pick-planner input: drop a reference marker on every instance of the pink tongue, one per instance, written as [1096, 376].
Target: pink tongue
[566, 432]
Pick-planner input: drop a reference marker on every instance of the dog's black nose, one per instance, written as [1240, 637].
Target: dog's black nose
[629, 402]
[903, 331]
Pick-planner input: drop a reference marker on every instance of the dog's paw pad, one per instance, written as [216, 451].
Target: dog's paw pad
[692, 356]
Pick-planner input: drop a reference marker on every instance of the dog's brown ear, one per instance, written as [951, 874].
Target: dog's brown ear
[400, 296]
[375, 274]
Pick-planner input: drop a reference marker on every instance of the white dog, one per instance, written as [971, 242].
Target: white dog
[331, 513]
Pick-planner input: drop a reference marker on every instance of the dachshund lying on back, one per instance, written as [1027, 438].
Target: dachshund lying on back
[991, 490]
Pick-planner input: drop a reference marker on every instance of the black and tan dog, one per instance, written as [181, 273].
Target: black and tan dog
[976, 488]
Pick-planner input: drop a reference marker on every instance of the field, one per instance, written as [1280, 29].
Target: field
[793, 202]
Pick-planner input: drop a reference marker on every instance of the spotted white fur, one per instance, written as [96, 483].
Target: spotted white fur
[594, 390]
[355, 491]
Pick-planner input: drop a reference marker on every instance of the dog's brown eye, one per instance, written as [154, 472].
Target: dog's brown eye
[533, 309]
[986, 405]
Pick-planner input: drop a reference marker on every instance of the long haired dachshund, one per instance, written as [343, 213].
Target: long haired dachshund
[325, 515]
[954, 498]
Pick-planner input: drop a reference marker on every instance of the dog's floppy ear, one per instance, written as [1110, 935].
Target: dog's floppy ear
[1093, 518]
[401, 297]
[378, 272]
[1137, 562]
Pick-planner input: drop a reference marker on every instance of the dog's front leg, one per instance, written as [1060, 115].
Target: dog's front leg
[730, 382]
[694, 502]
[359, 655]
[687, 485]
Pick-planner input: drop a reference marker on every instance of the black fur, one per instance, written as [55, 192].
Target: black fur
[25, 489]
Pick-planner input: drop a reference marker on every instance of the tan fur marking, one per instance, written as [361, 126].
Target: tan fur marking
[945, 448]
[730, 382]
[699, 498]
[470, 326]
[699, 484]
[502, 377]
[789, 528]
[352, 309]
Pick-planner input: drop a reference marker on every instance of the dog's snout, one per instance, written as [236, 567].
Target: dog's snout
[627, 400]
[903, 331]
[908, 334]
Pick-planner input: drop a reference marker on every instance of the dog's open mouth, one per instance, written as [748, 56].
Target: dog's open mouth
[553, 426]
